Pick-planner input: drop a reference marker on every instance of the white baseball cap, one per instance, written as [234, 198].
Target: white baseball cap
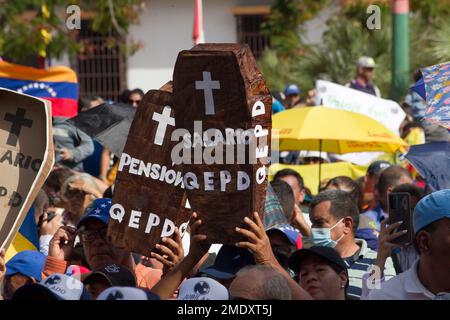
[366, 62]
[55, 287]
[127, 293]
[202, 288]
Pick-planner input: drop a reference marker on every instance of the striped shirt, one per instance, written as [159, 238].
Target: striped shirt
[359, 264]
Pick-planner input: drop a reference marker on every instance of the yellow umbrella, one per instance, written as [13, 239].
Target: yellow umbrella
[333, 130]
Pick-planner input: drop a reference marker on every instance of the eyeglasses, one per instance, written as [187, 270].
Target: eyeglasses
[90, 235]
[134, 101]
[282, 251]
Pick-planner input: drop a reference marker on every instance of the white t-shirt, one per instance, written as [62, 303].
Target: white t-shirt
[405, 286]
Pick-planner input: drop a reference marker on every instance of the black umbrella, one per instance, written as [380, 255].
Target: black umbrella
[108, 124]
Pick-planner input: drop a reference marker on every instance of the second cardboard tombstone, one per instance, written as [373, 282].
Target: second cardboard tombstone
[26, 157]
[148, 200]
[221, 100]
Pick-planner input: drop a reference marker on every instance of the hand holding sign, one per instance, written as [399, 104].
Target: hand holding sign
[257, 240]
[170, 252]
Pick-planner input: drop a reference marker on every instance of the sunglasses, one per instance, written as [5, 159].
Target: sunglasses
[91, 235]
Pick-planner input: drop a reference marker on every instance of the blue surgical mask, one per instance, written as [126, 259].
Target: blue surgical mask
[322, 237]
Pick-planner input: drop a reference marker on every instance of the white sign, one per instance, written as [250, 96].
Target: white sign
[333, 95]
[387, 112]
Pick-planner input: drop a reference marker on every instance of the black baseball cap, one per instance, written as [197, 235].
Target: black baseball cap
[377, 166]
[230, 259]
[115, 275]
[328, 254]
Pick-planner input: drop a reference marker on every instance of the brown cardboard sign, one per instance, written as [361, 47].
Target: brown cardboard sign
[26, 157]
[148, 200]
[224, 106]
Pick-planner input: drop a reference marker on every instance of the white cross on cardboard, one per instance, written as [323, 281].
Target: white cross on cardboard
[163, 120]
[207, 85]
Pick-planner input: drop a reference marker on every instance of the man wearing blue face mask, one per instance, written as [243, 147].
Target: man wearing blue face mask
[335, 218]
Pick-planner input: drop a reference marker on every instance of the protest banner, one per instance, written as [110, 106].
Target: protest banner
[149, 201]
[333, 95]
[223, 109]
[26, 157]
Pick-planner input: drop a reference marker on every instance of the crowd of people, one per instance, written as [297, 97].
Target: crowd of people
[335, 245]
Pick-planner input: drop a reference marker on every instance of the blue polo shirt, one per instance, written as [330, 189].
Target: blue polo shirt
[369, 226]
[376, 214]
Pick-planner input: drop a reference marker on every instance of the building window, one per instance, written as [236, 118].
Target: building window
[249, 32]
[101, 68]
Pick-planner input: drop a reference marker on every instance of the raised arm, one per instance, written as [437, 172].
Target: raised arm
[259, 243]
[172, 280]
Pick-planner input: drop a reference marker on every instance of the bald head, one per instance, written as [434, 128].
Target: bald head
[260, 282]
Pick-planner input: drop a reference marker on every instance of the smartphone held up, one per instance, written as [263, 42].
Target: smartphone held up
[399, 209]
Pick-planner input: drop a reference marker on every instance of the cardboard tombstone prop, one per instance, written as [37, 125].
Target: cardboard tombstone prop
[148, 200]
[224, 105]
[26, 157]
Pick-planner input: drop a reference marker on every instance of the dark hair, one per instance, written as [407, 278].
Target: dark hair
[347, 184]
[412, 189]
[84, 102]
[138, 91]
[341, 205]
[390, 178]
[411, 125]
[431, 228]
[124, 95]
[338, 270]
[286, 197]
[57, 177]
[417, 75]
[289, 172]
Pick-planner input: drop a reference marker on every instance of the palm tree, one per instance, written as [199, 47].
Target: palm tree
[440, 40]
[347, 39]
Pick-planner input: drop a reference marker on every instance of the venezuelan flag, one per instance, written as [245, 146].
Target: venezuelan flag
[26, 238]
[56, 84]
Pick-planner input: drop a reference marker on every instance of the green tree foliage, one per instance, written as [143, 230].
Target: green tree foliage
[284, 24]
[348, 38]
[38, 27]
[439, 40]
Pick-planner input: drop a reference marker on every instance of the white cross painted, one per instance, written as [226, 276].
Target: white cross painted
[163, 120]
[207, 85]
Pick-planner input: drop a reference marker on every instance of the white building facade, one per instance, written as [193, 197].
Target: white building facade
[166, 29]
